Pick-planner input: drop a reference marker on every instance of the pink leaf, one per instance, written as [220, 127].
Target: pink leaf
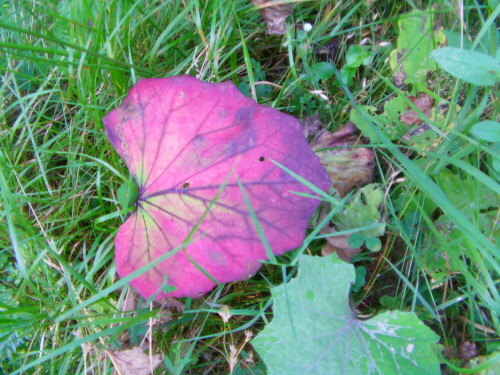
[181, 140]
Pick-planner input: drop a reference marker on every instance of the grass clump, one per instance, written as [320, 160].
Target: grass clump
[65, 64]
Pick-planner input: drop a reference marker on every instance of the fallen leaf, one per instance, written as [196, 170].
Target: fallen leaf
[348, 164]
[86, 346]
[194, 149]
[274, 13]
[130, 301]
[168, 306]
[312, 126]
[134, 362]
[399, 75]
[169, 303]
[424, 103]
[315, 331]
[343, 154]
[339, 244]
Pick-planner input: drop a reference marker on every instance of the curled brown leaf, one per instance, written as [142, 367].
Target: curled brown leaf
[343, 153]
[349, 164]
[338, 244]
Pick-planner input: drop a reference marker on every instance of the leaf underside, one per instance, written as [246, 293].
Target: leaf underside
[182, 139]
[314, 330]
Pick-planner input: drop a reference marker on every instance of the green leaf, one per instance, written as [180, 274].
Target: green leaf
[456, 39]
[473, 67]
[487, 131]
[347, 74]
[373, 243]
[322, 71]
[359, 117]
[360, 280]
[314, 331]
[357, 55]
[388, 301]
[356, 240]
[478, 204]
[416, 40]
[127, 193]
[363, 209]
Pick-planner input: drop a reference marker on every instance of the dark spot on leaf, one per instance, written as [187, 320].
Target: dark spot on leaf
[261, 158]
[185, 185]
[363, 199]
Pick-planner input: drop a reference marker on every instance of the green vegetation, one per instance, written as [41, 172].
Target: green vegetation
[64, 191]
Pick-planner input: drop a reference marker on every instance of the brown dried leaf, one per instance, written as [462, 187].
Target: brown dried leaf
[130, 301]
[134, 362]
[169, 303]
[347, 164]
[312, 126]
[86, 346]
[424, 103]
[274, 13]
[336, 243]
[339, 245]
[168, 306]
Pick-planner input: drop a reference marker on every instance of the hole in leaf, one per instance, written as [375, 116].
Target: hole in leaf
[185, 185]
[261, 158]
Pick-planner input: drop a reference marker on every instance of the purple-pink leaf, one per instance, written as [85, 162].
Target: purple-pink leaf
[182, 139]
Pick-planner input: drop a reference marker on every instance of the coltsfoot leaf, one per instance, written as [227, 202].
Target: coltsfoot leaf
[314, 330]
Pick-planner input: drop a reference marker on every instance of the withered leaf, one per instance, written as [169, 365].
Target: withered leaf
[342, 153]
[338, 244]
[348, 164]
[274, 13]
[134, 362]
[424, 103]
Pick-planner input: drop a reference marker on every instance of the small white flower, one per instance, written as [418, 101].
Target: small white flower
[307, 27]
[225, 313]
